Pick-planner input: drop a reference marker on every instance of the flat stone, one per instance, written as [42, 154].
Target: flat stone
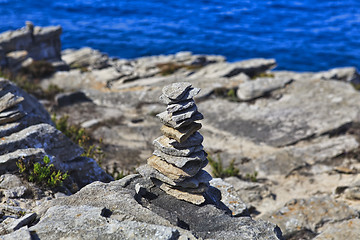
[311, 213]
[172, 172]
[203, 187]
[9, 100]
[349, 229]
[19, 223]
[183, 115]
[180, 134]
[190, 94]
[163, 144]
[181, 161]
[180, 106]
[193, 140]
[253, 89]
[166, 119]
[11, 116]
[176, 91]
[186, 196]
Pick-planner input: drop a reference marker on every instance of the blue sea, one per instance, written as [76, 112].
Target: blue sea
[308, 35]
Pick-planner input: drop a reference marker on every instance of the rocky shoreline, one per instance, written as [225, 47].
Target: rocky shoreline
[294, 137]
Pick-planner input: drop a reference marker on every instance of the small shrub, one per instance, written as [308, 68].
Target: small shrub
[229, 94]
[219, 171]
[42, 173]
[251, 177]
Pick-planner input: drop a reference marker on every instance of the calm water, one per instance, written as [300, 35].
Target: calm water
[301, 35]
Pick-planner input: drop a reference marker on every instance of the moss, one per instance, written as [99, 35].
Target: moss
[170, 67]
[229, 94]
[356, 86]
[38, 69]
[263, 75]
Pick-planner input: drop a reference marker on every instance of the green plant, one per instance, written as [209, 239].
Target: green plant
[219, 171]
[356, 86]
[42, 173]
[38, 69]
[251, 177]
[263, 75]
[229, 94]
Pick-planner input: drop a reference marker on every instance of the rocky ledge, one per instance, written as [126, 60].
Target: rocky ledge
[293, 137]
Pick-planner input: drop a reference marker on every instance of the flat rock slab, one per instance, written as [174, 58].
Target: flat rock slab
[181, 161]
[190, 94]
[256, 88]
[181, 134]
[349, 229]
[176, 91]
[196, 199]
[163, 144]
[172, 172]
[194, 139]
[166, 119]
[180, 106]
[307, 108]
[311, 213]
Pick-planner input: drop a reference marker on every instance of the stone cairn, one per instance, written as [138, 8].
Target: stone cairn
[177, 162]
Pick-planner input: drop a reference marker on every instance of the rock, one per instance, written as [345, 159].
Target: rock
[64, 99]
[33, 135]
[163, 144]
[23, 234]
[251, 67]
[259, 87]
[230, 197]
[286, 121]
[181, 161]
[188, 95]
[181, 134]
[312, 213]
[87, 215]
[349, 229]
[183, 195]
[166, 119]
[347, 74]
[171, 108]
[176, 91]
[85, 57]
[37, 43]
[23, 221]
[88, 222]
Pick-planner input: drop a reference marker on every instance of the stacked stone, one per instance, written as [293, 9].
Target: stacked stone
[178, 159]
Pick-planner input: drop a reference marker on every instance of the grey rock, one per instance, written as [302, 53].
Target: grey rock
[194, 140]
[9, 100]
[180, 106]
[349, 229]
[230, 197]
[166, 119]
[185, 114]
[352, 193]
[176, 91]
[23, 234]
[191, 93]
[258, 87]
[286, 121]
[164, 144]
[347, 74]
[38, 42]
[88, 222]
[64, 99]
[85, 57]
[181, 161]
[15, 192]
[250, 67]
[23, 221]
[8, 181]
[311, 213]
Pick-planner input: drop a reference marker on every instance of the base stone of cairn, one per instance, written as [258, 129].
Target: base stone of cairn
[177, 162]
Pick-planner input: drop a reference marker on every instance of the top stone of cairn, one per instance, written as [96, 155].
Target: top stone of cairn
[176, 91]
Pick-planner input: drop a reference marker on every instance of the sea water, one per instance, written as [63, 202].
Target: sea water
[307, 35]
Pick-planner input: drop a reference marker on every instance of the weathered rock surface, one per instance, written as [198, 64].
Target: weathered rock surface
[349, 229]
[30, 43]
[117, 215]
[312, 213]
[32, 134]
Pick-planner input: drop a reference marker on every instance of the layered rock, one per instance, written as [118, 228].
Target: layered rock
[20, 47]
[178, 159]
